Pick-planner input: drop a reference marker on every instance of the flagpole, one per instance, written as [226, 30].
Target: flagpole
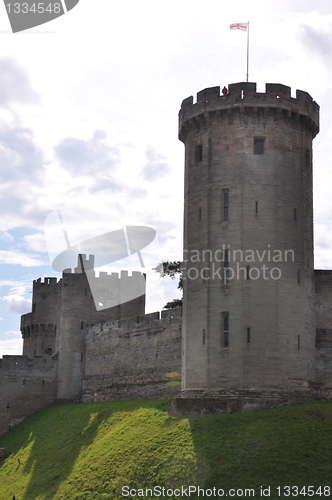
[248, 52]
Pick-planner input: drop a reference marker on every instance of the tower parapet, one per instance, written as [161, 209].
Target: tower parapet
[245, 98]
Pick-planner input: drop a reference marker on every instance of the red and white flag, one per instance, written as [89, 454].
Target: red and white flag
[239, 26]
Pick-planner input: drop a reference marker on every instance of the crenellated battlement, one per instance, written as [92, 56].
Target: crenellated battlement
[31, 329]
[244, 96]
[45, 283]
[17, 363]
[155, 319]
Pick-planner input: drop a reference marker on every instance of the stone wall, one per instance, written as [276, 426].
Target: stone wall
[193, 404]
[26, 385]
[133, 359]
[323, 358]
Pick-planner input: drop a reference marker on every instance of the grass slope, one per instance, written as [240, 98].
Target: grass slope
[89, 451]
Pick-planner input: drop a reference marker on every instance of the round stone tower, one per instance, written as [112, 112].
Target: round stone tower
[248, 312]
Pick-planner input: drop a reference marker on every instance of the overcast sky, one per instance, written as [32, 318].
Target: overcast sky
[89, 102]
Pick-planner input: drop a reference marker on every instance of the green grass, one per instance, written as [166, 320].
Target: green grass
[89, 451]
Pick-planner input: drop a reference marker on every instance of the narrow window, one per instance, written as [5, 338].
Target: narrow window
[294, 213]
[248, 272]
[307, 158]
[33, 308]
[226, 267]
[226, 331]
[24, 381]
[256, 207]
[119, 315]
[81, 325]
[199, 214]
[82, 357]
[248, 335]
[43, 382]
[298, 277]
[298, 342]
[258, 146]
[226, 205]
[198, 153]
[138, 320]
[203, 337]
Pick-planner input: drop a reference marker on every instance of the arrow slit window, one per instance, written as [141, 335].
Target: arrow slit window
[225, 329]
[198, 153]
[225, 205]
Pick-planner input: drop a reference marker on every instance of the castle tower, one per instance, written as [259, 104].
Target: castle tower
[84, 300]
[39, 327]
[248, 312]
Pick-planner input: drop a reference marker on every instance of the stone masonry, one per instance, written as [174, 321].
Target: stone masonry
[256, 326]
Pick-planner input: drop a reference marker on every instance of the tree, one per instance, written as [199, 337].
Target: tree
[173, 270]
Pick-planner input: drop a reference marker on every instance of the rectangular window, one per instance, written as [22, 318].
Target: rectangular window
[226, 267]
[199, 214]
[256, 207]
[203, 337]
[225, 201]
[248, 335]
[225, 329]
[198, 153]
[298, 342]
[259, 146]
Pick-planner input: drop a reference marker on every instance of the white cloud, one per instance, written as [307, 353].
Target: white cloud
[87, 156]
[14, 257]
[5, 236]
[17, 304]
[15, 84]
[156, 166]
[13, 346]
[15, 286]
[36, 242]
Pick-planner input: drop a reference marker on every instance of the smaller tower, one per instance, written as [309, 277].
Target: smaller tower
[39, 328]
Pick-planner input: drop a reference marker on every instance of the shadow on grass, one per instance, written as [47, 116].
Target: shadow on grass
[277, 447]
[56, 436]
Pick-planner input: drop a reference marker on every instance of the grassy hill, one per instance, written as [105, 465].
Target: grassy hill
[90, 451]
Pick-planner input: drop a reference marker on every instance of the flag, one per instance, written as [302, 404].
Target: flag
[239, 26]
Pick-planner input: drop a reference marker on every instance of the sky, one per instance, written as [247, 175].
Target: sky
[89, 108]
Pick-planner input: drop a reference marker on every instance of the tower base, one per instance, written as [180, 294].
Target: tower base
[201, 403]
